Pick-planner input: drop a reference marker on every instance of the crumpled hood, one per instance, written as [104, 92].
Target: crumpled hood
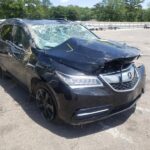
[88, 56]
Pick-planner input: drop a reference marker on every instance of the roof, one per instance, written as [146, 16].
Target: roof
[35, 22]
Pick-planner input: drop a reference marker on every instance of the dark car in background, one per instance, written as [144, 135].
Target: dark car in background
[147, 26]
[70, 72]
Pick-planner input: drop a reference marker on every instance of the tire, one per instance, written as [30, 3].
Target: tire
[45, 101]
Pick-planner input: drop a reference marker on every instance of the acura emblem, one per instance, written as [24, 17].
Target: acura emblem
[130, 75]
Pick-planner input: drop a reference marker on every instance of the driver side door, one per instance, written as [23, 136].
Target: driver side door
[19, 49]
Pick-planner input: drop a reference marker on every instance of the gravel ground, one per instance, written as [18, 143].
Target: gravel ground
[22, 127]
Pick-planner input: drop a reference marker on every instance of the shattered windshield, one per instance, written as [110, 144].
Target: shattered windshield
[52, 35]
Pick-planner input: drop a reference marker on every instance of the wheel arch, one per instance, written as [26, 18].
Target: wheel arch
[35, 81]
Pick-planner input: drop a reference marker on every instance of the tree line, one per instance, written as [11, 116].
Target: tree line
[105, 10]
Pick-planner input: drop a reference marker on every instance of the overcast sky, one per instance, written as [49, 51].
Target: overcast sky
[84, 3]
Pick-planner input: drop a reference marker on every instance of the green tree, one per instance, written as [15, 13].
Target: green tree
[45, 8]
[146, 15]
[59, 12]
[72, 13]
[11, 8]
[33, 9]
[133, 4]
[134, 10]
[110, 10]
[46, 3]
[106, 10]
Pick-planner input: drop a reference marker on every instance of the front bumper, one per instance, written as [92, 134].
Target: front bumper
[80, 106]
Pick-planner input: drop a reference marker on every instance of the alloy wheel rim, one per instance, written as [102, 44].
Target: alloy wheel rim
[44, 103]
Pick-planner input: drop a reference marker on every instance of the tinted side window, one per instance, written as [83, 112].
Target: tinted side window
[21, 38]
[6, 32]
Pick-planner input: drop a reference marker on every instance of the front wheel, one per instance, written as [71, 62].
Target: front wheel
[45, 101]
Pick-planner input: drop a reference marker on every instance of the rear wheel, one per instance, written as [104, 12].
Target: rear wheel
[45, 101]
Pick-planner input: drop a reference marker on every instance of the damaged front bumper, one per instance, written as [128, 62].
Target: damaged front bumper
[85, 105]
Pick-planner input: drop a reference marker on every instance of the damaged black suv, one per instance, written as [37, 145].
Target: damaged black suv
[71, 73]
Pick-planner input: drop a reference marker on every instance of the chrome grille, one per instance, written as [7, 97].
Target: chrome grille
[125, 85]
[124, 80]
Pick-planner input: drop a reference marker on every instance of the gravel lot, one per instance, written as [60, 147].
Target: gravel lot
[22, 127]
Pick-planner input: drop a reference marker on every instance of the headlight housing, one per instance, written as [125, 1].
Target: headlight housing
[80, 81]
